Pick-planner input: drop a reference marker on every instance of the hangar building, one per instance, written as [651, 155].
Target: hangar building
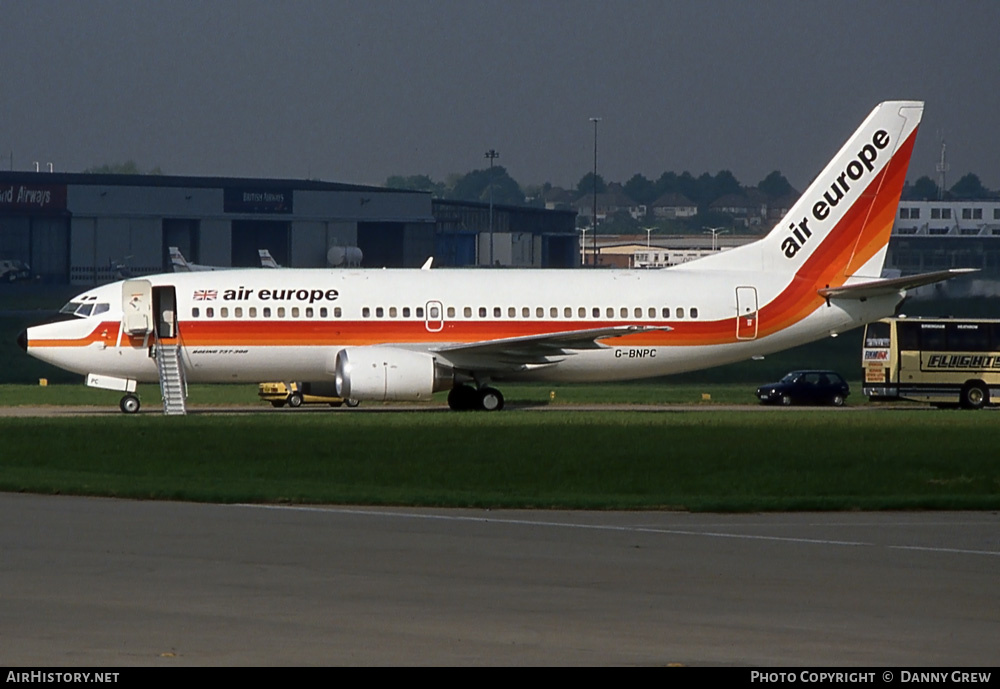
[86, 229]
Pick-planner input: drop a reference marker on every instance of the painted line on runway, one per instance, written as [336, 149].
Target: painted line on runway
[620, 529]
[565, 525]
[961, 551]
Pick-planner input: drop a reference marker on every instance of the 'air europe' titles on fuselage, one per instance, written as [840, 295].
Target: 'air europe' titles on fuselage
[861, 164]
[244, 294]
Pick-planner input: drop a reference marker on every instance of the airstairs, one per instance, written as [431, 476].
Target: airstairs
[173, 386]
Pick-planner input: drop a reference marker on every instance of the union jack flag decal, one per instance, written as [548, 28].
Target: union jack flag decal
[205, 294]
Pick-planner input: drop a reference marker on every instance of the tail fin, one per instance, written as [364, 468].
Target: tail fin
[266, 259]
[177, 260]
[838, 230]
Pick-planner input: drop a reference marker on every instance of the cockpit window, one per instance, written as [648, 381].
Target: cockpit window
[85, 308]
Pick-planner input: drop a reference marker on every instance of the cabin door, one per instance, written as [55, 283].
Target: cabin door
[137, 307]
[746, 313]
[165, 308]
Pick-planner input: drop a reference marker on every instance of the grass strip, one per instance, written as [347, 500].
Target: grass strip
[691, 460]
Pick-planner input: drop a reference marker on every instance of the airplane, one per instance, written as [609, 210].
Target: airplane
[267, 260]
[404, 334]
[179, 264]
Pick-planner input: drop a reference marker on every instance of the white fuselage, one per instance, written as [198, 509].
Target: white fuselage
[254, 325]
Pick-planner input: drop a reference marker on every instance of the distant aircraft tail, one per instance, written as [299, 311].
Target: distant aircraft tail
[838, 231]
[177, 260]
[266, 260]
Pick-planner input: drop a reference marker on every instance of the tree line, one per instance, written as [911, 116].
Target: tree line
[702, 191]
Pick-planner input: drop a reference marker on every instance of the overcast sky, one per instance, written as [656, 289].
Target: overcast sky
[357, 91]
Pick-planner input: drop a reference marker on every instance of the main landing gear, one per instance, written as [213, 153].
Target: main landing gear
[468, 398]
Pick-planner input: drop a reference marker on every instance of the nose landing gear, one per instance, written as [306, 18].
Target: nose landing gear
[129, 404]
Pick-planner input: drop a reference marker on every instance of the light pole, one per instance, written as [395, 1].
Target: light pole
[583, 246]
[595, 120]
[649, 231]
[715, 232]
[492, 155]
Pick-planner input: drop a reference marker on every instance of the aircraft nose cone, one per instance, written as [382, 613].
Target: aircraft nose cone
[22, 340]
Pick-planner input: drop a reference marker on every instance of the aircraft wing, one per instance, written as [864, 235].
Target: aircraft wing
[878, 288]
[533, 351]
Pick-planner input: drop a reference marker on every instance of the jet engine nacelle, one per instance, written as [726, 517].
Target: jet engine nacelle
[390, 373]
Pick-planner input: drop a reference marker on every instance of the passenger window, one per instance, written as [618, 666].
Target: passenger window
[420, 311]
[281, 312]
[392, 312]
[581, 312]
[567, 312]
[267, 312]
[295, 312]
[597, 312]
[525, 312]
[379, 312]
[652, 312]
[553, 312]
[224, 312]
[497, 312]
[209, 312]
[680, 312]
[366, 312]
[467, 312]
[624, 312]
[195, 312]
[238, 312]
[666, 312]
[309, 312]
[694, 312]
[406, 312]
[253, 312]
[611, 312]
[511, 312]
[539, 312]
[482, 312]
[638, 312]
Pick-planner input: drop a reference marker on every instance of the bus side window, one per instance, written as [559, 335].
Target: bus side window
[908, 336]
[932, 337]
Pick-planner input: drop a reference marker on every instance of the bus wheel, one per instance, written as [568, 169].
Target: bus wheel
[975, 396]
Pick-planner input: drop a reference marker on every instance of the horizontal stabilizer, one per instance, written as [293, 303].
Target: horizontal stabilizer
[878, 288]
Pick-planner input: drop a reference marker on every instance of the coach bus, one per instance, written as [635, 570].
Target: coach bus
[943, 361]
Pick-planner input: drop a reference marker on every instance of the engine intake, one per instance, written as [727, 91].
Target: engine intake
[390, 373]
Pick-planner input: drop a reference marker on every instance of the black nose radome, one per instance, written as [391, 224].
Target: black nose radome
[22, 340]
